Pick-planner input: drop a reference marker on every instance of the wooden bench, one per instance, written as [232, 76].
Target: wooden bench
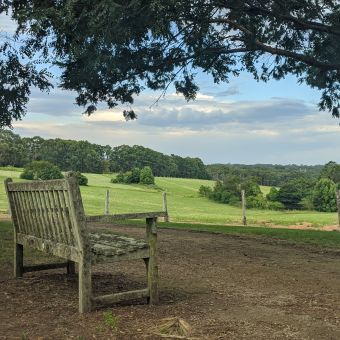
[49, 216]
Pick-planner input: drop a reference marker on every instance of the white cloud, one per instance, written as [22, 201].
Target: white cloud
[6, 24]
[276, 130]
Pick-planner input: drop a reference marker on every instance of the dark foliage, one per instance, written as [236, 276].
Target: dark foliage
[110, 50]
[229, 191]
[41, 170]
[265, 174]
[292, 193]
[331, 170]
[136, 175]
[83, 156]
[324, 198]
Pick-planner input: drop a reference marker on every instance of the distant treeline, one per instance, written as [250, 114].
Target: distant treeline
[84, 156]
[265, 174]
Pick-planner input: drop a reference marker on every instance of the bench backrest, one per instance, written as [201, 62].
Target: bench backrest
[48, 210]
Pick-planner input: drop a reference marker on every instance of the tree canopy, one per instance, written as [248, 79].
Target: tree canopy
[109, 51]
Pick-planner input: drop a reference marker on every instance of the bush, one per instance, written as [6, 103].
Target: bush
[42, 170]
[258, 202]
[275, 205]
[307, 203]
[272, 195]
[119, 178]
[229, 191]
[82, 180]
[146, 176]
[204, 191]
[132, 176]
[324, 197]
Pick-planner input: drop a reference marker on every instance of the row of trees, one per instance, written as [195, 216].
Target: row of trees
[298, 193]
[265, 174]
[84, 156]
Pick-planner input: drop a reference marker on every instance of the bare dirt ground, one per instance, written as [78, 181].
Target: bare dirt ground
[225, 287]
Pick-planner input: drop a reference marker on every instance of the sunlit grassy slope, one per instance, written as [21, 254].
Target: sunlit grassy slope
[184, 203]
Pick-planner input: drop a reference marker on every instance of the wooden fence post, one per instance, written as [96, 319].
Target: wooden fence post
[338, 205]
[107, 202]
[244, 216]
[165, 207]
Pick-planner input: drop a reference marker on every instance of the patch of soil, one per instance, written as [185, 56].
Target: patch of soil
[223, 286]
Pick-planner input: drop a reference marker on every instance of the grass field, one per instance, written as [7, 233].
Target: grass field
[184, 203]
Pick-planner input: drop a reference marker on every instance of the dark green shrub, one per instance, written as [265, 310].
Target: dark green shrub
[132, 176]
[307, 203]
[119, 178]
[258, 201]
[324, 197]
[292, 192]
[41, 170]
[146, 176]
[275, 205]
[205, 191]
[272, 195]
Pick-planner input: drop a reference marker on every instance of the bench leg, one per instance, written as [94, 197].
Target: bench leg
[85, 286]
[152, 261]
[18, 260]
[71, 268]
[152, 273]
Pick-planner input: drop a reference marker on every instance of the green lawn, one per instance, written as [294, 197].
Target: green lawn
[184, 203]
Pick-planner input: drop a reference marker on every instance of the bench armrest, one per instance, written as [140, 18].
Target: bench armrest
[119, 217]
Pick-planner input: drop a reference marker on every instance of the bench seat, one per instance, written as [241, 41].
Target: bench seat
[112, 247]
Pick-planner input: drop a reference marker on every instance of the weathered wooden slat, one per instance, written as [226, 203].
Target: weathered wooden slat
[15, 210]
[117, 217]
[63, 218]
[38, 215]
[34, 211]
[58, 217]
[124, 296]
[138, 254]
[14, 206]
[22, 210]
[45, 214]
[67, 218]
[23, 197]
[49, 215]
[46, 266]
[58, 184]
[77, 216]
[50, 247]
[73, 228]
[43, 217]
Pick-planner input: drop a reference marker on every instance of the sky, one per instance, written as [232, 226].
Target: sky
[240, 122]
